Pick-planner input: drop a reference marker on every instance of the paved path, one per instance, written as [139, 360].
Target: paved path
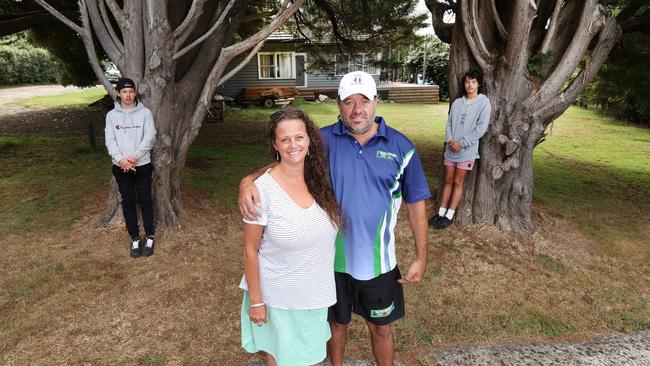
[11, 95]
[612, 350]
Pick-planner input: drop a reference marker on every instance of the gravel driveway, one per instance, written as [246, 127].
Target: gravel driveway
[10, 95]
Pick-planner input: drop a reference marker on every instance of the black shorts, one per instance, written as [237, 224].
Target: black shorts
[379, 300]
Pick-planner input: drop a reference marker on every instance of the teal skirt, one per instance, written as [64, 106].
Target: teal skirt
[292, 337]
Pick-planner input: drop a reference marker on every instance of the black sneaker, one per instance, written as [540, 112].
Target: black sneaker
[135, 247]
[149, 243]
[443, 223]
[434, 220]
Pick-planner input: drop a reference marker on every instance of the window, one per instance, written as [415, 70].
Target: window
[360, 61]
[276, 65]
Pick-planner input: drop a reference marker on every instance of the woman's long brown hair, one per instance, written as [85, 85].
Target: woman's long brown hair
[316, 168]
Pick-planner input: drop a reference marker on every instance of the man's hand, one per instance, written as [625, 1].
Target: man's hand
[132, 160]
[415, 273]
[418, 222]
[126, 164]
[249, 198]
[454, 146]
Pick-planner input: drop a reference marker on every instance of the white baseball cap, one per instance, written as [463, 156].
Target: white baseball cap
[357, 82]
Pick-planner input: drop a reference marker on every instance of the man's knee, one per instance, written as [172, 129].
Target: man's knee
[379, 330]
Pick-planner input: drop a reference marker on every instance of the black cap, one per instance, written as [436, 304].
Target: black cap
[124, 83]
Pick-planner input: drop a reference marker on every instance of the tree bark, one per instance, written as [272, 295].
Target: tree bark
[151, 52]
[501, 42]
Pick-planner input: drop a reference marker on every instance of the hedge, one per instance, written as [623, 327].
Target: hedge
[27, 65]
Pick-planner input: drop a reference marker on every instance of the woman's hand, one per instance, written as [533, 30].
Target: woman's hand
[257, 315]
[454, 146]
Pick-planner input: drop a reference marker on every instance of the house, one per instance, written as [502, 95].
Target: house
[283, 63]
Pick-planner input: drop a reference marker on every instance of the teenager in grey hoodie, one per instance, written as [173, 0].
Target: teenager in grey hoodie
[130, 135]
[467, 122]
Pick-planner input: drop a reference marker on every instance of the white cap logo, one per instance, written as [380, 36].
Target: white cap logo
[357, 82]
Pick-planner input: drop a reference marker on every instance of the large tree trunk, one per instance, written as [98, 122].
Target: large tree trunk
[177, 60]
[501, 38]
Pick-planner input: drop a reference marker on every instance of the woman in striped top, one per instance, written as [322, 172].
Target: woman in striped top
[289, 250]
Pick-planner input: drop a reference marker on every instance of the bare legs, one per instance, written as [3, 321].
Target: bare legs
[453, 189]
[381, 339]
[336, 344]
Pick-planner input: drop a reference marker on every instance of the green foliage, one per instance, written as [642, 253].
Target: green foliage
[622, 83]
[437, 53]
[537, 63]
[69, 50]
[23, 63]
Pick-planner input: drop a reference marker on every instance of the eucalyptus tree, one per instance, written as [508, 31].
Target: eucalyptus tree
[177, 52]
[537, 57]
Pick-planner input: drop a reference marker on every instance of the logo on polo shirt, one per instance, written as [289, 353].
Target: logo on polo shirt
[382, 313]
[386, 155]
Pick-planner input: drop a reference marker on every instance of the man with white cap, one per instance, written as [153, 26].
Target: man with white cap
[372, 169]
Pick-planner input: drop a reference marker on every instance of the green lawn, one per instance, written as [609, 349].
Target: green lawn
[66, 286]
[591, 169]
[73, 99]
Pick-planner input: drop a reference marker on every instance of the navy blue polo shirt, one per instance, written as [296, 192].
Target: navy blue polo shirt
[370, 183]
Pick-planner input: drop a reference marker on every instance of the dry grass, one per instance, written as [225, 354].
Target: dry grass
[74, 296]
[77, 298]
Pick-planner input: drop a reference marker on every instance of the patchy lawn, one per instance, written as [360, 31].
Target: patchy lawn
[69, 293]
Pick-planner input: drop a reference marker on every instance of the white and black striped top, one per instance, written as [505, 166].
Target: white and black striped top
[296, 254]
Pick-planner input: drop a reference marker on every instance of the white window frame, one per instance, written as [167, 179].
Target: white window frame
[276, 66]
[365, 65]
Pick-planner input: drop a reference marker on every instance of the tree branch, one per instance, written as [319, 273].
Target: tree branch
[503, 33]
[245, 62]
[227, 54]
[331, 15]
[102, 32]
[118, 13]
[636, 23]
[109, 27]
[14, 23]
[87, 39]
[207, 34]
[552, 27]
[608, 37]
[443, 30]
[185, 29]
[77, 29]
[589, 25]
[474, 39]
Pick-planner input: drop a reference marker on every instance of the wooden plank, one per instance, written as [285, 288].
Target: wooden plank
[255, 92]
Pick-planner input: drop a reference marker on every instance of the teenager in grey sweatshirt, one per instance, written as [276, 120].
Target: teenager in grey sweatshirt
[467, 122]
[130, 134]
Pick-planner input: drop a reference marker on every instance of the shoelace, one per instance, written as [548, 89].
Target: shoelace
[135, 244]
[149, 243]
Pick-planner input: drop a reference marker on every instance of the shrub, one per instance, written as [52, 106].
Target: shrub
[22, 63]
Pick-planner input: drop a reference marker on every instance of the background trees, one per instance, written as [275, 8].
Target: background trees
[437, 61]
[177, 53]
[537, 57]
[622, 83]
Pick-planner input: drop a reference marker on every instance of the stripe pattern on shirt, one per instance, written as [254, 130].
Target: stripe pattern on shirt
[296, 253]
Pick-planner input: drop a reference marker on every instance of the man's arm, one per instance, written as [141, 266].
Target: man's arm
[249, 196]
[418, 221]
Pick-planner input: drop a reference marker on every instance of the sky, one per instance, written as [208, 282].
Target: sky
[422, 8]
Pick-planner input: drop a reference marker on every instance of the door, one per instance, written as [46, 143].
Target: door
[301, 77]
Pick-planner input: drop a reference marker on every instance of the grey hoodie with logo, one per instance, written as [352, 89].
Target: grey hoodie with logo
[130, 133]
[467, 122]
